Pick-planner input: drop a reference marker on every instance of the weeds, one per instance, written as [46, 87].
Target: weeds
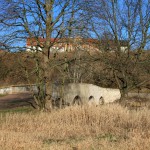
[99, 128]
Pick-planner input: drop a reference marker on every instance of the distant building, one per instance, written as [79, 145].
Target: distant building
[72, 44]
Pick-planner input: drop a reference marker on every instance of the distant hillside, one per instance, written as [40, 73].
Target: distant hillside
[93, 68]
[11, 70]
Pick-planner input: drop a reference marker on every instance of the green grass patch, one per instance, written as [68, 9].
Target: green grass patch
[24, 109]
[2, 95]
[109, 137]
[68, 140]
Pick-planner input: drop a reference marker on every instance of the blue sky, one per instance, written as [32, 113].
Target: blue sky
[20, 41]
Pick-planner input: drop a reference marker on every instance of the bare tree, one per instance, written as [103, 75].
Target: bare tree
[124, 21]
[36, 19]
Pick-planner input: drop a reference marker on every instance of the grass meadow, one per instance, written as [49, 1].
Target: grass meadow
[107, 127]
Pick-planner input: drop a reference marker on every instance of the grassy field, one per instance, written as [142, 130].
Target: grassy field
[108, 127]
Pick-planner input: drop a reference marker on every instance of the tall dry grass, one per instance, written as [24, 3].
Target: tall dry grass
[109, 127]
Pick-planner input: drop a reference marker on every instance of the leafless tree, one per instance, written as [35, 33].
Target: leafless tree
[121, 21]
[37, 19]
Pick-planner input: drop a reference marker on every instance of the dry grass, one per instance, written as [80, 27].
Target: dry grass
[109, 127]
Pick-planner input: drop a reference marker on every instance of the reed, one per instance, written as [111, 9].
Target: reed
[107, 127]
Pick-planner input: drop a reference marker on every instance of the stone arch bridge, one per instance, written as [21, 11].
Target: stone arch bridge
[82, 93]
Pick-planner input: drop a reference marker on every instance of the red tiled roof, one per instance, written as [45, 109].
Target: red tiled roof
[39, 41]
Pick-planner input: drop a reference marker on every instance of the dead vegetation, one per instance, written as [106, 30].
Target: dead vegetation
[22, 69]
[76, 128]
[136, 103]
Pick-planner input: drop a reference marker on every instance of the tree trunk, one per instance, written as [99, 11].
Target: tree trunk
[124, 93]
[46, 55]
